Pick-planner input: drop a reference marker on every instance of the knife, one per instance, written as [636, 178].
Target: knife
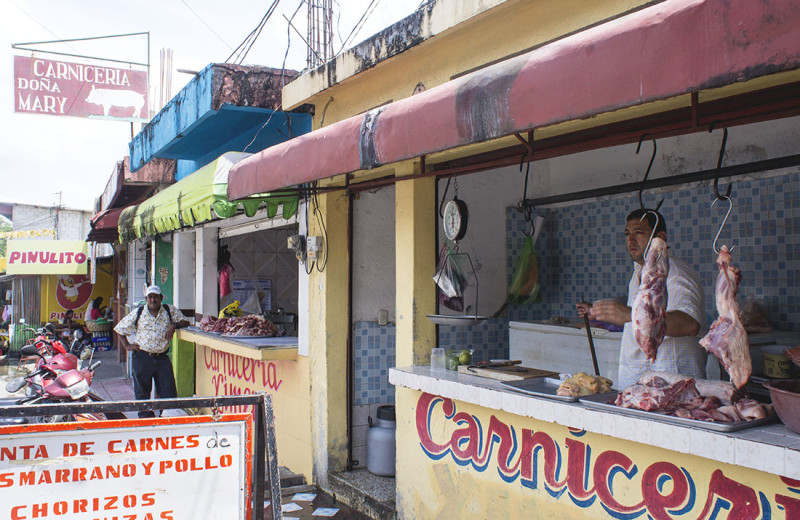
[591, 344]
[494, 364]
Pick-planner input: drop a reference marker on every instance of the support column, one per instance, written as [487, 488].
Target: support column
[415, 246]
[206, 271]
[183, 278]
[327, 340]
[183, 288]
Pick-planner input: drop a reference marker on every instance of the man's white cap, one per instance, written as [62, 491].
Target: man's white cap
[153, 289]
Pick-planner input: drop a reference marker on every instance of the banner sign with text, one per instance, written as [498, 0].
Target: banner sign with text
[47, 257]
[28, 233]
[60, 88]
[166, 469]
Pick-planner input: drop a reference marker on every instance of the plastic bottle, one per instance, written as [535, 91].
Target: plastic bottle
[381, 443]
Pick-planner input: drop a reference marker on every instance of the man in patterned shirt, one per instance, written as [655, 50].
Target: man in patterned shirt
[680, 352]
[147, 331]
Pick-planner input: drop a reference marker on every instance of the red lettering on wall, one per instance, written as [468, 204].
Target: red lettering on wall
[532, 443]
[741, 498]
[658, 503]
[667, 491]
[576, 470]
[790, 504]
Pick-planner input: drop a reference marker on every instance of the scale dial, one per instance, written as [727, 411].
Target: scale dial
[454, 222]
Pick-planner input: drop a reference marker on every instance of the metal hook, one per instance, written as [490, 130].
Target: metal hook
[444, 198]
[526, 211]
[652, 233]
[649, 166]
[724, 221]
[719, 162]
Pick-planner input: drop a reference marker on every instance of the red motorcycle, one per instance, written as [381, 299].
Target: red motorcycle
[56, 379]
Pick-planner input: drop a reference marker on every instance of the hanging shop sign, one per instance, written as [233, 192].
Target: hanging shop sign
[155, 469]
[59, 88]
[47, 257]
[28, 233]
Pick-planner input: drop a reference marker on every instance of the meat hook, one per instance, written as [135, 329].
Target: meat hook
[526, 211]
[649, 166]
[652, 233]
[730, 208]
[719, 162]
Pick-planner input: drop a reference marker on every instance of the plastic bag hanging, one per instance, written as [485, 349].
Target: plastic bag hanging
[451, 281]
[525, 286]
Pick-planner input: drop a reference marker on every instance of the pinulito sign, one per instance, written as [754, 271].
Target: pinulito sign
[59, 88]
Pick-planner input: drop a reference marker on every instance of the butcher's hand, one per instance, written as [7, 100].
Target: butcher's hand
[170, 332]
[583, 308]
[133, 347]
[610, 311]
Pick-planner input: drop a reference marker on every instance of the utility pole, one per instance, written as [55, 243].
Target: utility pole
[320, 32]
[58, 212]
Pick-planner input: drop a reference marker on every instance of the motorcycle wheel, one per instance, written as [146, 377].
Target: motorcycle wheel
[52, 419]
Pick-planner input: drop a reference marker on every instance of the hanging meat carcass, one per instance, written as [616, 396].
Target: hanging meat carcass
[649, 311]
[726, 339]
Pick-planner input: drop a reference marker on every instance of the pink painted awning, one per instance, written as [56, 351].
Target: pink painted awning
[669, 49]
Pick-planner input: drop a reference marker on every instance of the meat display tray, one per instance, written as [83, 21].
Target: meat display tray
[193, 328]
[605, 403]
[242, 336]
[541, 387]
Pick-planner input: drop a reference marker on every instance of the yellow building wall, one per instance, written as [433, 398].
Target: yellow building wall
[222, 373]
[328, 325]
[62, 292]
[458, 460]
[512, 27]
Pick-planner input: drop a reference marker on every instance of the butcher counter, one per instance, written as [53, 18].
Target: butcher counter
[237, 365]
[261, 348]
[566, 460]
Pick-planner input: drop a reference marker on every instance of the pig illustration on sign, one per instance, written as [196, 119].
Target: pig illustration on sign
[116, 98]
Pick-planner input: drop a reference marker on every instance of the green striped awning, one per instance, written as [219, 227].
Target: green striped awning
[190, 201]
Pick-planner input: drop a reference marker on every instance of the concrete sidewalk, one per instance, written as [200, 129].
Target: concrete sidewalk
[110, 381]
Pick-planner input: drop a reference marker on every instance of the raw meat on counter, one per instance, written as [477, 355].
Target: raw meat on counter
[649, 311]
[680, 396]
[727, 338]
[722, 390]
[251, 325]
[583, 384]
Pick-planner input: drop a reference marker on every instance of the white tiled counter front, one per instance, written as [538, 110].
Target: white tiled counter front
[770, 448]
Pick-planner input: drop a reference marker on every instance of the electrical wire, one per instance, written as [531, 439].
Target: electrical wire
[338, 21]
[206, 24]
[283, 81]
[29, 15]
[321, 221]
[359, 25]
[258, 33]
[241, 51]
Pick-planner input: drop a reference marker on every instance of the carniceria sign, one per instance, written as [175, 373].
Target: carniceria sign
[61, 88]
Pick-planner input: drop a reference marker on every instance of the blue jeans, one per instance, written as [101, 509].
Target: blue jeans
[147, 368]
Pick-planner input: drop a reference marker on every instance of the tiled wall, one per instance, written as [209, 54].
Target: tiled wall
[488, 340]
[582, 250]
[263, 255]
[374, 354]
[582, 255]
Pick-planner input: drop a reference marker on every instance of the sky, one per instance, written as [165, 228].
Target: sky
[50, 160]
